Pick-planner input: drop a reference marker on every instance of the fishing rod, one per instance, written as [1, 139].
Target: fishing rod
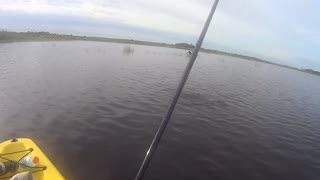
[175, 99]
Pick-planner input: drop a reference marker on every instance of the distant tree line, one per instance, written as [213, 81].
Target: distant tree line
[185, 45]
[33, 36]
[312, 71]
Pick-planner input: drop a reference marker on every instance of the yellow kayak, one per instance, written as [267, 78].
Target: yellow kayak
[11, 153]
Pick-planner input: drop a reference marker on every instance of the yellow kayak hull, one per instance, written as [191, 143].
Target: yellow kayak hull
[17, 149]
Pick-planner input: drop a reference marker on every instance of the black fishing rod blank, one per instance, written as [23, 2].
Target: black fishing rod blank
[174, 101]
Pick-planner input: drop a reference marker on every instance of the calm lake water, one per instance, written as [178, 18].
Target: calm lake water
[94, 108]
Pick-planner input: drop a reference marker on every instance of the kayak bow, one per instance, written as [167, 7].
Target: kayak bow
[14, 150]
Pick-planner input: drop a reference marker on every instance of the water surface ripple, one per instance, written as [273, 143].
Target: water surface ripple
[94, 110]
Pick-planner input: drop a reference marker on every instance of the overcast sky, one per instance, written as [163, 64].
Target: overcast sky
[282, 31]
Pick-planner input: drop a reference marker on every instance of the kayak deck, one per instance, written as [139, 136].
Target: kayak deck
[17, 148]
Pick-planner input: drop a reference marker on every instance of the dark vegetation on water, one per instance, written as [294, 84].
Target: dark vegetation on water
[7, 36]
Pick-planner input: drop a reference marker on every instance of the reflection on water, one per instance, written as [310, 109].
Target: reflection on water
[94, 112]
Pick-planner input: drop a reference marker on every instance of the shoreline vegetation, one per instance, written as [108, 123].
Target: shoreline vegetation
[8, 36]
